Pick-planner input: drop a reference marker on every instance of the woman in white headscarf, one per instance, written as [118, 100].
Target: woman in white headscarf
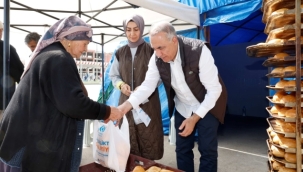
[128, 72]
[42, 127]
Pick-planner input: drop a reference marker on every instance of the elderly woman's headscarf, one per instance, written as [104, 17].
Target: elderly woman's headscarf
[140, 23]
[70, 28]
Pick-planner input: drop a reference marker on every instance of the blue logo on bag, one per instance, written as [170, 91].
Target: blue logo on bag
[102, 129]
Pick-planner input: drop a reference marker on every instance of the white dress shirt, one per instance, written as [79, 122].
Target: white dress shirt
[186, 102]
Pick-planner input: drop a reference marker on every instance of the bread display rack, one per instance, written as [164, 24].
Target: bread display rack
[282, 48]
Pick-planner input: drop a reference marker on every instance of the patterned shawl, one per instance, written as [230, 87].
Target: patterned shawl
[70, 28]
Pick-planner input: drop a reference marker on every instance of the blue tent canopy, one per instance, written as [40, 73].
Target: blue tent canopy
[223, 11]
[251, 29]
[231, 21]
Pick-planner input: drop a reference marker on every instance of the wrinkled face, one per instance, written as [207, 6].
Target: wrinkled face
[78, 47]
[164, 48]
[132, 32]
[32, 45]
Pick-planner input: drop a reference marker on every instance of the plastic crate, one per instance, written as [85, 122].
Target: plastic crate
[132, 162]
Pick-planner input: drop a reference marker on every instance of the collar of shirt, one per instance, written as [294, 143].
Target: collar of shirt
[177, 58]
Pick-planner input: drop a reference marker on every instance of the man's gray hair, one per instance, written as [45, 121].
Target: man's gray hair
[32, 36]
[165, 27]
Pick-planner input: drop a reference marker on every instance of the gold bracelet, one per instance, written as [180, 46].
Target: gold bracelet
[122, 85]
[118, 85]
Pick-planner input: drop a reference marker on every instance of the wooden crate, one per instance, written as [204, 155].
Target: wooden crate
[132, 162]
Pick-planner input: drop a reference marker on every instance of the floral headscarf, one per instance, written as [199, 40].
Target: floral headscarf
[70, 28]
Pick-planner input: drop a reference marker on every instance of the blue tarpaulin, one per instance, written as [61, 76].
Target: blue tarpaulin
[231, 21]
[223, 11]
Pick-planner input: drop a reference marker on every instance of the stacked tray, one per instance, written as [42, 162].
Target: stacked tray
[274, 62]
[286, 119]
[269, 6]
[285, 32]
[283, 75]
[265, 50]
[277, 129]
[278, 159]
[289, 104]
[280, 20]
[287, 88]
[270, 142]
[278, 26]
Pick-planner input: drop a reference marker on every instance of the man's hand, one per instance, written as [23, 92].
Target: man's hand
[125, 107]
[188, 125]
[117, 122]
[125, 89]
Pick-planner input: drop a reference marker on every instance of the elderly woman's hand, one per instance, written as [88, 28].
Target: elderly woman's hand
[115, 114]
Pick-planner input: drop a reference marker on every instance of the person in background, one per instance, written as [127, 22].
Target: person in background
[31, 40]
[16, 69]
[42, 127]
[127, 73]
[194, 90]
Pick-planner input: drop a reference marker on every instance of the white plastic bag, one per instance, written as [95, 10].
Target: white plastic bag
[111, 146]
[172, 132]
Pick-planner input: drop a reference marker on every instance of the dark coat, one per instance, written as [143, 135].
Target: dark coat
[15, 71]
[42, 114]
[145, 141]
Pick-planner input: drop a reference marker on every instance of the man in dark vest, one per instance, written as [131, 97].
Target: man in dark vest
[196, 94]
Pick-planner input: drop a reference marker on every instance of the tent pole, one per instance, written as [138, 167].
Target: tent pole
[102, 55]
[79, 8]
[206, 31]
[6, 54]
[198, 32]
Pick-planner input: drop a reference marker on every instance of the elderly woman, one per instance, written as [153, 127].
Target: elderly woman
[42, 127]
[128, 72]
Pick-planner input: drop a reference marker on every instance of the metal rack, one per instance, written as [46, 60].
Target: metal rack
[282, 25]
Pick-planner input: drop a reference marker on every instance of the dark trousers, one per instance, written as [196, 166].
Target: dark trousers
[207, 144]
